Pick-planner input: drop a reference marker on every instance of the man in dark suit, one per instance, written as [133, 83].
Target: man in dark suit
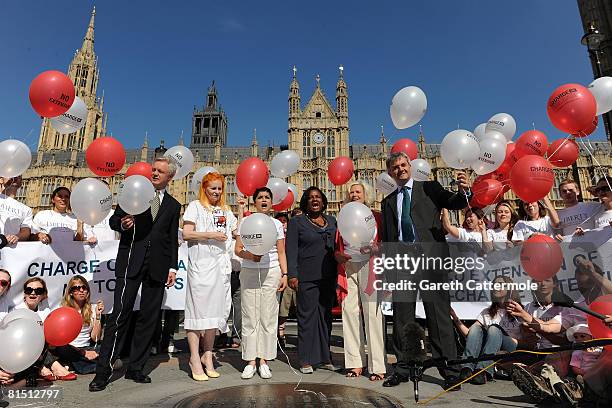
[411, 218]
[147, 256]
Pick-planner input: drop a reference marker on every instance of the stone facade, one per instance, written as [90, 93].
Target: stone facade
[317, 131]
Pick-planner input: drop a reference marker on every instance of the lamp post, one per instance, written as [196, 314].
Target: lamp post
[592, 40]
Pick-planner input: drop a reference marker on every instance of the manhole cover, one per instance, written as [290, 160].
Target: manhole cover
[283, 395]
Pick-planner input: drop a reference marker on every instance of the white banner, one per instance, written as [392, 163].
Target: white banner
[57, 263]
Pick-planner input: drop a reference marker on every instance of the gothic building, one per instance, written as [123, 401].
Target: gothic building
[318, 131]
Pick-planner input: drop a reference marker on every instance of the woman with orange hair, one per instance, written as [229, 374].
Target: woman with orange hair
[208, 226]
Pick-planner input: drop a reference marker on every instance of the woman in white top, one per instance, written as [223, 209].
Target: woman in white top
[495, 329]
[5, 285]
[58, 224]
[500, 237]
[208, 226]
[79, 353]
[471, 232]
[261, 278]
[535, 217]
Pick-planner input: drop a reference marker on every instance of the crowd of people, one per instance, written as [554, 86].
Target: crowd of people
[311, 268]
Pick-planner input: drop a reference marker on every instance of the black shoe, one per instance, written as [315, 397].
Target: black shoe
[480, 379]
[501, 374]
[451, 381]
[465, 373]
[394, 379]
[137, 376]
[99, 383]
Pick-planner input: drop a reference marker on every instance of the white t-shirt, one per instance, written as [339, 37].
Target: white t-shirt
[269, 260]
[84, 337]
[604, 219]
[13, 215]
[61, 227]
[102, 230]
[499, 237]
[585, 359]
[524, 229]
[572, 217]
[545, 313]
[506, 321]
[43, 309]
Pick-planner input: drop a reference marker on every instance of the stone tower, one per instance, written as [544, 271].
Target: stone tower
[209, 125]
[84, 73]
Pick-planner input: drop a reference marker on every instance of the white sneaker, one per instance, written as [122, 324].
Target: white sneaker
[248, 372]
[264, 371]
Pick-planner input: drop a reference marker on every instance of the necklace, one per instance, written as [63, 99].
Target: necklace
[316, 223]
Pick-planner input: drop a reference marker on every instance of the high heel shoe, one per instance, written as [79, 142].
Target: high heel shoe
[198, 377]
[212, 373]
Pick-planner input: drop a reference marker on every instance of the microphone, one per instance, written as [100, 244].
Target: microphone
[563, 300]
[413, 351]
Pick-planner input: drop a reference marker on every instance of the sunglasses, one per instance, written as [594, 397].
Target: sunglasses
[76, 288]
[37, 291]
[4, 283]
[601, 190]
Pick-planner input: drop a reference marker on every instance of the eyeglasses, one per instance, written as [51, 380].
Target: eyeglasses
[4, 283]
[601, 190]
[76, 288]
[37, 291]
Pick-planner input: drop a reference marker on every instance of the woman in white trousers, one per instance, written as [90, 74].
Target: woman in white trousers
[261, 278]
[355, 279]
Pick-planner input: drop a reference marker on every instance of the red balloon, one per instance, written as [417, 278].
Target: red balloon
[541, 256]
[487, 191]
[105, 156]
[140, 168]
[62, 326]
[531, 142]
[563, 153]
[407, 146]
[603, 305]
[589, 129]
[246, 213]
[286, 203]
[531, 178]
[51, 94]
[571, 108]
[340, 170]
[251, 174]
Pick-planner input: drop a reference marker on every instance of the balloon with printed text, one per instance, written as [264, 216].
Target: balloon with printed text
[73, 119]
[531, 142]
[487, 191]
[182, 158]
[592, 127]
[91, 201]
[531, 178]
[105, 156]
[51, 94]
[459, 149]
[503, 123]
[420, 169]
[571, 108]
[258, 233]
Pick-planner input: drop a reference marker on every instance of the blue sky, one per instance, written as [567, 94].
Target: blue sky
[157, 58]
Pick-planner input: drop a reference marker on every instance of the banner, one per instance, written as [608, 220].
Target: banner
[58, 262]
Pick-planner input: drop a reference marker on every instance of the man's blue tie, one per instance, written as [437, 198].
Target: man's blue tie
[407, 226]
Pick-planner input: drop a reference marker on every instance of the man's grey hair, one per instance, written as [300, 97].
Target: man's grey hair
[171, 164]
[393, 157]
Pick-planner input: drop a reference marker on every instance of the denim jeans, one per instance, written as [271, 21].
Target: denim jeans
[486, 341]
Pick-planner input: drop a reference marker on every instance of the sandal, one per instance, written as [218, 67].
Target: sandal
[377, 377]
[354, 373]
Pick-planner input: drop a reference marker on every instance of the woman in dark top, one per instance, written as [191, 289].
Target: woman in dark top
[312, 273]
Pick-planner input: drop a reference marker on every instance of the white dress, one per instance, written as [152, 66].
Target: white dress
[208, 295]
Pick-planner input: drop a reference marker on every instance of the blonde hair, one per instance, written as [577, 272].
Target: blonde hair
[69, 301]
[206, 180]
[368, 194]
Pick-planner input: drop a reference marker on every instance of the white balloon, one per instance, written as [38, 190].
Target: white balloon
[135, 194]
[91, 201]
[459, 149]
[72, 120]
[408, 107]
[15, 158]
[21, 314]
[601, 88]
[183, 158]
[279, 189]
[420, 169]
[479, 132]
[492, 155]
[357, 224]
[196, 181]
[503, 123]
[258, 233]
[385, 183]
[21, 343]
[285, 164]
[495, 135]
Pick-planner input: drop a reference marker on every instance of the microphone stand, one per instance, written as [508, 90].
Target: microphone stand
[416, 369]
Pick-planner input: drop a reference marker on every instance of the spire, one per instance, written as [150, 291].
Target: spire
[341, 95]
[318, 78]
[294, 71]
[88, 41]
[341, 68]
[383, 142]
[421, 146]
[294, 95]
[254, 145]
[146, 140]
[180, 141]
[382, 135]
[254, 140]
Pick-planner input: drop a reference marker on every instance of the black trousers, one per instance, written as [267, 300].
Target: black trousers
[314, 304]
[164, 334]
[439, 324]
[152, 295]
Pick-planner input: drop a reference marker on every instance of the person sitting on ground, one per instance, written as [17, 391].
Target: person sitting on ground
[80, 354]
[6, 378]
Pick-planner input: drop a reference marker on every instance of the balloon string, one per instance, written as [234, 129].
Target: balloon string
[558, 148]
